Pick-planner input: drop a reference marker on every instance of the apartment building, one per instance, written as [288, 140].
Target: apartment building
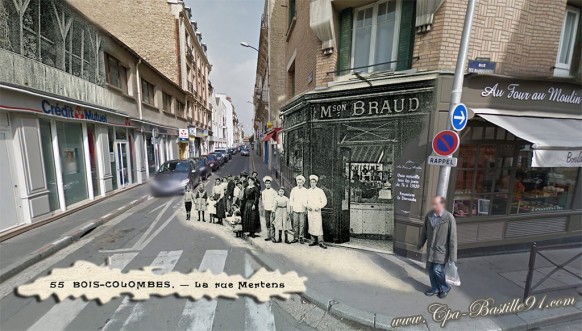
[168, 37]
[82, 114]
[368, 85]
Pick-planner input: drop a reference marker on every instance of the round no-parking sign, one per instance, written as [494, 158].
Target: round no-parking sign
[445, 143]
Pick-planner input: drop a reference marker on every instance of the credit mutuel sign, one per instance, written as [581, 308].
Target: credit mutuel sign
[379, 106]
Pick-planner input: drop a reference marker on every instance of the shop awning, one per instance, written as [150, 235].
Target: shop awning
[557, 142]
[271, 134]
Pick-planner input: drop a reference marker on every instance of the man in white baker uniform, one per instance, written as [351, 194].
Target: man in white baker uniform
[315, 201]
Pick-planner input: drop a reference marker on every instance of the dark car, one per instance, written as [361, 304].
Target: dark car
[219, 157]
[212, 162]
[232, 150]
[203, 167]
[173, 176]
[244, 152]
[224, 152]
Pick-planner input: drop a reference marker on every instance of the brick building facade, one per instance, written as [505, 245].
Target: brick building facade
[368, 85]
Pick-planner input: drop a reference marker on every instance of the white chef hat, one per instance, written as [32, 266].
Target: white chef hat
[267, 178]
[300, 177]
[314, 177]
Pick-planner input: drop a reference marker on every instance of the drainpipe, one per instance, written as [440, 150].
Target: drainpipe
[139, 107]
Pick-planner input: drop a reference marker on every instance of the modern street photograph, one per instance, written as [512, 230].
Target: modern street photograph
[274, 165]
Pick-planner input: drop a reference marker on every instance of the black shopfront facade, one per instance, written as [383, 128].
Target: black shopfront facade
[354, 136]
[369, 142]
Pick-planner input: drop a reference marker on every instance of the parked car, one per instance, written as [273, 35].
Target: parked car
[232, 151]
[203, 167]
[212, 162]
[224, 152]
[173, 176]
[244, 152]
[221, 160]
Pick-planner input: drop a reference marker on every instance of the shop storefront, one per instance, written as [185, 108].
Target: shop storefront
[519, 164]
[352, 136]
[62, 154]
[518, 170]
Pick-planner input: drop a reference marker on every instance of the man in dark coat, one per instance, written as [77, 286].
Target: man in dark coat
[439, 231]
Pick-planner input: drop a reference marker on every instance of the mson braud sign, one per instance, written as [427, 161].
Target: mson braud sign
[372, 107]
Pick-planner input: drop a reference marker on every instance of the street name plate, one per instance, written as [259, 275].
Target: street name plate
[442, 161]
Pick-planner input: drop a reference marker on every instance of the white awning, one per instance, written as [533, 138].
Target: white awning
[557, 142]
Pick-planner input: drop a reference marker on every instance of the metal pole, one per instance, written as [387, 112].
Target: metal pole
[445, 172]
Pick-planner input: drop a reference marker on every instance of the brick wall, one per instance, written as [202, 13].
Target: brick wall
[277, 60]
[146, 26]
[306, 45]
[522, 36]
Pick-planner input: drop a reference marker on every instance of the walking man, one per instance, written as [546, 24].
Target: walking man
[268, 198]
[297, 199]
[439, 231]
[315, 201]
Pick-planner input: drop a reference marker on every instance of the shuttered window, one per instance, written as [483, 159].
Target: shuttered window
[376, 37]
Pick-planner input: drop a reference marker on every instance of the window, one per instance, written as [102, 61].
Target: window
[292, 11]
[494, 177]
[291, 80]
[116, 73]
[166, 102]
[375, 36]
[147, 92]
[179, 109]
[567, 41]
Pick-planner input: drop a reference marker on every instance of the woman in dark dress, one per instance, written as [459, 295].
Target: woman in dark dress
[250, 209]
[218, 194]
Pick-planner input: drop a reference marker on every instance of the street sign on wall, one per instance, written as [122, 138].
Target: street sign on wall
[459, 117]
[445, 143]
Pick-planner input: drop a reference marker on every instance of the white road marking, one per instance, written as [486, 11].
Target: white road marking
[157, 208]
[258, 316]
[154, 223]
[63, 313]
[199, 315]
[8, 286]
[165, 262]
[158, 230]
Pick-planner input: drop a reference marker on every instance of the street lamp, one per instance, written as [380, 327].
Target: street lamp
[245, 44]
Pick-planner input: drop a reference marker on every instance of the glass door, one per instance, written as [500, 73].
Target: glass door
[121, 161]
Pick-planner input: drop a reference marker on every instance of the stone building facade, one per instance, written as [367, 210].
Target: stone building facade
[166, 35]
[82, 115]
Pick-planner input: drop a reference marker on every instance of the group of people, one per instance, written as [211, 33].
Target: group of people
[240, 197]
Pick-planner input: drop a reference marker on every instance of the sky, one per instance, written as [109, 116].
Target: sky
[224, 24]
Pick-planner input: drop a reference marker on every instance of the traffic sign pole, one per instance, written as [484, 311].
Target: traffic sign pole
[445, 172]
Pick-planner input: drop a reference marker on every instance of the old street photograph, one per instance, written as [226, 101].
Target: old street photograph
[270, 165]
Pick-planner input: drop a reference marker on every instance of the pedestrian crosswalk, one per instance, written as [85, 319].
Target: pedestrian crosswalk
[168, 313]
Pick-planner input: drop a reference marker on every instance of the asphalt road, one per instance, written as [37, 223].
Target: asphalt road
[155, 233]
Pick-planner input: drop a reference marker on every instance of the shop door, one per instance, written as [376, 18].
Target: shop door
[8, 205]
[368, 170]
[122, 162]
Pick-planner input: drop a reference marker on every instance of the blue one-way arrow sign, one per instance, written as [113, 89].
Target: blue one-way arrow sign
[459, 117]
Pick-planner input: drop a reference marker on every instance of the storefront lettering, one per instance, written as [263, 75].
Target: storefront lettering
[369, 108]
[574, 159]
[70, 112]
[553, 94]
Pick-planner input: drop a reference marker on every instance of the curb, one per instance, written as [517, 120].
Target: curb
[338, 309]
[381, 321]
[27, 227]
[69, 238]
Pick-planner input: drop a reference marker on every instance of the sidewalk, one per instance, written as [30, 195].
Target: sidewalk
[372, 288]
[21, 251]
